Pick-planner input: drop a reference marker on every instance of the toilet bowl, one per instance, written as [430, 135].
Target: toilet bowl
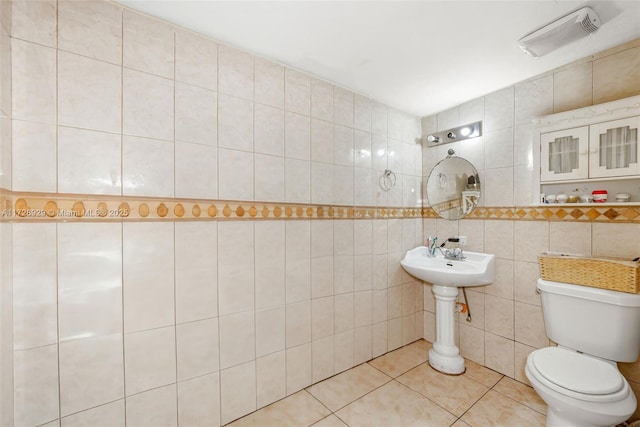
[579, 390]
[579, 379]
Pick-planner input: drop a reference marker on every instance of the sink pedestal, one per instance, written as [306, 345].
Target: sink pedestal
[444, 356]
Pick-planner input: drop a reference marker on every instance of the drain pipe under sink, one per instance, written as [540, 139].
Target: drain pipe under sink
[466, 302]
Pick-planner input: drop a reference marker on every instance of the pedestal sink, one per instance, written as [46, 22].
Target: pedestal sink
[447, 276]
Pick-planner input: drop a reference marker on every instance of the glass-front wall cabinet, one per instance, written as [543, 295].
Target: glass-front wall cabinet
[606, 149]
[565, 154]
[613, 148]
[592, 148]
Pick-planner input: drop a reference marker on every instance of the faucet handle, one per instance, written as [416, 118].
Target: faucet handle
[461, 240]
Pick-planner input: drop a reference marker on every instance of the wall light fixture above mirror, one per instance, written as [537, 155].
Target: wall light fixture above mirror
[459, 133]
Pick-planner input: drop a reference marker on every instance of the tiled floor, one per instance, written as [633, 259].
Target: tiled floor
[400, 389]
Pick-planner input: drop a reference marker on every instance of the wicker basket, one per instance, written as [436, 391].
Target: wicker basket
[606, 273]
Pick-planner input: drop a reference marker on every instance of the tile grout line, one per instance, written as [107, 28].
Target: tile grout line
[367, 362]
[57, 77]
[422, 395]
[122, 226]
[355, 400]
[517, 401]
[175, 302]
[476, 402]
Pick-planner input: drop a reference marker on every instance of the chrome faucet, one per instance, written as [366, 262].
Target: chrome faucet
[455, 253]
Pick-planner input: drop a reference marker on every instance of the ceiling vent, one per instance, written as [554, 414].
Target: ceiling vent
[560, 32]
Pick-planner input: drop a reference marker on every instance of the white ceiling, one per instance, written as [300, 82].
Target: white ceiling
[421, 57]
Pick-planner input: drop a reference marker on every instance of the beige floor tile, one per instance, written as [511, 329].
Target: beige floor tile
[455, 393]
[330, 421]
[521, 393]
[340, 390]
[481, 374]
[299, 409]
[460, 423]
[394, 405]
[403, 359]
[497, 410]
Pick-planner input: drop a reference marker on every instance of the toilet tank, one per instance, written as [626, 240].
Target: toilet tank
[595, 321]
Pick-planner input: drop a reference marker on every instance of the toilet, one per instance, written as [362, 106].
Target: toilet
[579, 379]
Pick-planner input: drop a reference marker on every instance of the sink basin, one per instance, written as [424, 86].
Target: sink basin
[476, 269]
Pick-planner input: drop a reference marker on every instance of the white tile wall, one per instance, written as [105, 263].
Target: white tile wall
[34, 289]
[36, 377]
[89, 94]
[87, 307]
[298, 323]
[91, 29]
[298, 368]
[269, 83]
[270, 378]
[236, 314]
[322, 316]
[270, 330]
[148, 271]
[153, 408]
[236, 125]
[322, 276]
[269, 264]
[236, 278]
[323, 360]
[272, 189]
[7, 380]
[199, 400]
[321, 100]
[109, 414]
[238, 391]
[148, 44]
[196, 60]
[297, 89]
[236, 72]
[148, 105]
[33, 156]
[142, 372]
[297, 261]
[297, 181]
[91, 372]
[269, 130]
[33, 76]
[196, 271]
[90, 162]
[35, 21]
[344, 348]
[196, 115]
[322, 182]
[196, 171]
[237, 339]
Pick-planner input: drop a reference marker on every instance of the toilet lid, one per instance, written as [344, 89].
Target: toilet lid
[577, 372]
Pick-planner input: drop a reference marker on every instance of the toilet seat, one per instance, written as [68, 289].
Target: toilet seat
[577, 375]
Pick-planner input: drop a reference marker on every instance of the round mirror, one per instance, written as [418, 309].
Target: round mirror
[453, 187]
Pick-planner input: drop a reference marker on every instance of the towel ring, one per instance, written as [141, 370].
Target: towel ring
[387, 180]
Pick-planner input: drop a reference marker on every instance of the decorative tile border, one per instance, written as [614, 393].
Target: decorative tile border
[24, 207]
[579, 213]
